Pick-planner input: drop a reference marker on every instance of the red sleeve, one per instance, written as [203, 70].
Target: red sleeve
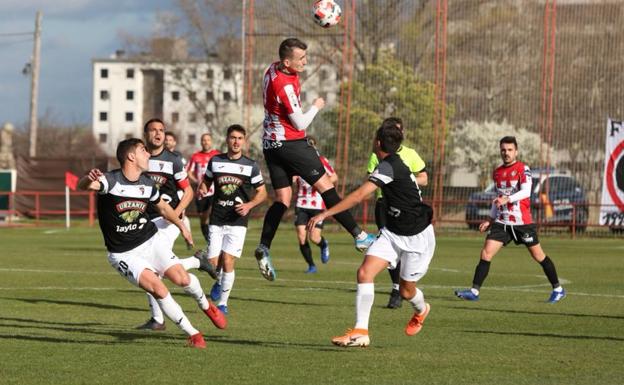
[182, 184]
[287, 95]
[328, 167]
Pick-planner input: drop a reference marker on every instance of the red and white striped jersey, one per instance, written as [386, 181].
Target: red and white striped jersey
[307, 196]
[281, 96]
[508, 180]
[198, 164]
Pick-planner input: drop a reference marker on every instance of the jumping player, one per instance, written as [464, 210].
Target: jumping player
[287, 151]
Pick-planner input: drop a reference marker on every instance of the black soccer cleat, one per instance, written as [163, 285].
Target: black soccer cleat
[395, 301]
[152, 324]
[205, 265]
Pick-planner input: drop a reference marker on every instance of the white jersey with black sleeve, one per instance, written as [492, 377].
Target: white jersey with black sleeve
[122, 210]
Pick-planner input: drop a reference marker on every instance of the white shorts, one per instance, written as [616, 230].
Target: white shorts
[230, 239]
[170, 230]
[414, 251]
[153, 254]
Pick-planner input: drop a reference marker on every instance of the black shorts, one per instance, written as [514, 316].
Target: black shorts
[302, 216]
[289, 158]
[520, 234]
[203, 204]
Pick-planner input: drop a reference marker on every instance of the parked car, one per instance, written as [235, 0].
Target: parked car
[564, 194]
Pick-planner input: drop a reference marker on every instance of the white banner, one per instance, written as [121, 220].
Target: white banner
[612, 209]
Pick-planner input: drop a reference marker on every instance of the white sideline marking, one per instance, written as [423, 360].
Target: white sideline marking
[523, 288]
[52, 231]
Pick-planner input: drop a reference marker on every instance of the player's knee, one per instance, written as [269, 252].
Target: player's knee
[407, 292]
[486, 255]
[364, 275]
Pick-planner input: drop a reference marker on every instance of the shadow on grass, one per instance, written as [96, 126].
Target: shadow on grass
[535, 312]
[299, 303]
[76, 303]
[548, 335]
[272, 344]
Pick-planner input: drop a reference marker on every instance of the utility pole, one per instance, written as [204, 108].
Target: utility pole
[34, 86]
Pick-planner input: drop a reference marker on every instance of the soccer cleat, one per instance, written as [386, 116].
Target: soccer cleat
[204, 263]
[311, 270]
[196, 341]
[557, 296]
[395, 301]
[362, 244]
[216, 316]
[215, 292]
[353, 337]
[467, 294]
[325, 252]
[416, 322]
[224, 309]
[264, 263]
[152, 324]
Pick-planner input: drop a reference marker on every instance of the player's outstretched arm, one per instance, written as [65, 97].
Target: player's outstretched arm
[349, 201]
[91, 180]
[169, 214]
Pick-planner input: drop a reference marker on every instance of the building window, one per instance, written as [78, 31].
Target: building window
[209, 118]
[177, 73]
[104, 73]
[129, 116]
[103, 138]
[192, 117]
[103, 116]
[129, 95]
[191, 139]
[104, 95]
[227, 96]
[227, 74]
[192, 96]
[194, 73]
[175, 95]
[209, 95]
[210, 73]
[130, 73]
[175, 117]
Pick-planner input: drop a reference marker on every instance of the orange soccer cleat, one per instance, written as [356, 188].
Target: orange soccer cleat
[216, 316]
[415, 324]
[353, 337]
[196, 341]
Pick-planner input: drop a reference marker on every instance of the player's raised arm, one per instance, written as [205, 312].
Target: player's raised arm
[349, 201]
[91, 180]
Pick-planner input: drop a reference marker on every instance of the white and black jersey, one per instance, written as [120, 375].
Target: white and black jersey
[406, 213]
[167, 171]
[235, 181]
[122, 210]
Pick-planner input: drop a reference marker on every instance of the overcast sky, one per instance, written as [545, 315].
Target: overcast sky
[73, 33]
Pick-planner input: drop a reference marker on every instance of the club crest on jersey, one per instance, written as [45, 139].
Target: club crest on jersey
[513, 173]
[161, 165]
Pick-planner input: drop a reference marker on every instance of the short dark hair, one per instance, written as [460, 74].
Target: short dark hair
[170, 133]
[389, 137]
[125, 147]
[152, 120]
[393, 121]
[236, 127]
[509, 140]
[287, 47]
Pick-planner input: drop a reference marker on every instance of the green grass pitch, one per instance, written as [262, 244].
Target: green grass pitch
[67, 318]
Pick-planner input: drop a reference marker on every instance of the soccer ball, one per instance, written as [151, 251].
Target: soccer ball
[326, 13]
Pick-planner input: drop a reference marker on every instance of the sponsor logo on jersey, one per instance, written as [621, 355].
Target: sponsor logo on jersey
[130, 205]
[159, 180]
[228, 184]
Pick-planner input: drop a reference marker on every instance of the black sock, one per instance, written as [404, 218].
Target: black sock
[395, 274]
[331, 198]
[481, 272]
[271, 222]
[306, 251]
[550, 271]
[205, 232]
[322, 243]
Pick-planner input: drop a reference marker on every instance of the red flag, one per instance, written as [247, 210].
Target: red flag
[71, 180]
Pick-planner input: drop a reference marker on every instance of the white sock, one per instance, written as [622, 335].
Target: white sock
[174, 312]
[418, 301]
[558, 289]
[190, 263]
[157, 314]
[363, 304]
[474, 291]
[362, 235]
[195, 290]
[227, 282]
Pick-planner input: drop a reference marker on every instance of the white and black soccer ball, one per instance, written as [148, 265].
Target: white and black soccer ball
[326, 13]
